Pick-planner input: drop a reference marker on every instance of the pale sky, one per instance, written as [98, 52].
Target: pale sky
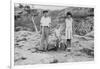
[45, 7]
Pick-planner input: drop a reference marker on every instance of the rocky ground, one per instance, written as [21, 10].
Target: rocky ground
[27, 44]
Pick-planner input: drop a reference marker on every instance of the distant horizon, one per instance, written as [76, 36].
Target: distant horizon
[48, 7]
[44, 7]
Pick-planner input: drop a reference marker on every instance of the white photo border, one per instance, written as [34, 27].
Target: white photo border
[12, 2]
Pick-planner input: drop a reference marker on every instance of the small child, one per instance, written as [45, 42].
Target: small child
[58, 33]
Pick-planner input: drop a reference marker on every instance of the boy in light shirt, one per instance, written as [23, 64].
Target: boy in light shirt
[45, 23]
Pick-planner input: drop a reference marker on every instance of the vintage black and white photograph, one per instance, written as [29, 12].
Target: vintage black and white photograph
[48, 34]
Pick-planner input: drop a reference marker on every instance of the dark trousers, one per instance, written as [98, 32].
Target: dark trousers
[44, 37]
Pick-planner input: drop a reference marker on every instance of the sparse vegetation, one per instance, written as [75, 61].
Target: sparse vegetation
[27, 36]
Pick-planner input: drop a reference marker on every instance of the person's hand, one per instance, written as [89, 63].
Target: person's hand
[40, 32]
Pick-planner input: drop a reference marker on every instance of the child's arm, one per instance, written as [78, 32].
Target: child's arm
[49, 21]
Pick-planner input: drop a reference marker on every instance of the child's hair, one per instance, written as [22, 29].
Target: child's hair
[69, 13]
[46, 11]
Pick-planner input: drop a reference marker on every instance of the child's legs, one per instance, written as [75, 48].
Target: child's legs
[46, 37]
[42, 38]
[57, 44]
[69, 42]
[68, 36]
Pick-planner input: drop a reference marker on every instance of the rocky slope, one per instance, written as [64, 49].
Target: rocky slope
[27, 44]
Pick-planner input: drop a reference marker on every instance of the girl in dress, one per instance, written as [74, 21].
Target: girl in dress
[68, 29]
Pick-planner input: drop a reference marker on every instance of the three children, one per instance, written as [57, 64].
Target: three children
[45, 25]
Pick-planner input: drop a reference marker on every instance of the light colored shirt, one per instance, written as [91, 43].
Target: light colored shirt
[45, 21]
